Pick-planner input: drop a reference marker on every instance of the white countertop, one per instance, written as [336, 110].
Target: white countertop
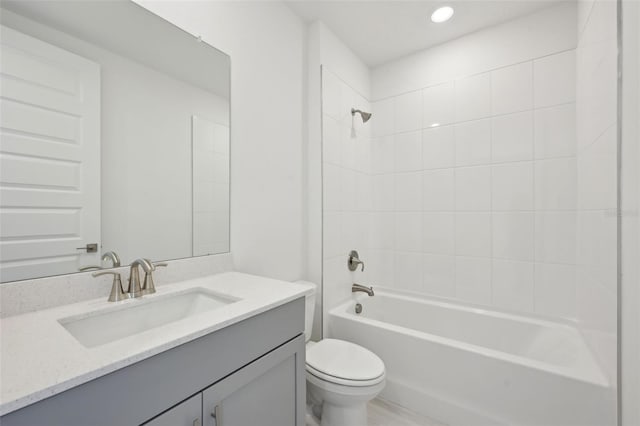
[40, 358]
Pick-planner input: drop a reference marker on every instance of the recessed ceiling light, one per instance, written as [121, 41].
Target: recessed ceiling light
[442, 14]
[435, 125]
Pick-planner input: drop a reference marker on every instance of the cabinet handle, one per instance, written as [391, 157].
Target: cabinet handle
[217, 415]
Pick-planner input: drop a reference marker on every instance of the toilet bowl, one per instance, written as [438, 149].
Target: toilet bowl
[341, 377]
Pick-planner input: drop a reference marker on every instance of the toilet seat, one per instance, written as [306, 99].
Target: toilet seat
[344, 363]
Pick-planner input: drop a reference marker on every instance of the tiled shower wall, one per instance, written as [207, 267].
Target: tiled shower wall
[347, 190]
[474, 188]
[597, 173]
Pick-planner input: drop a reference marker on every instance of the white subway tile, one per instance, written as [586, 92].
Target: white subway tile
[382, 267]
[512, 137]
[555, 290]
[408, 112]
[349, 185]
[408, 192]
[408, 232]
[513, 285]
[383, 192]
[473, 97]
[438, 190]
[473, 279]
[473, 142]
[439, 275]
[556, 237]
[408, 151]
[473, 188]
[332, 187]
[383, 231]
[408, 274]
[384, 113]
[383, 155]
[555, 131]
[556, 184]
[512, 88]
[332, 225]
[512, 186]
[473, 234]
[438, 233]
[438, 105]
[554, 79]
[597, 174]
[438, 147]
[331, 141]
[513, 235]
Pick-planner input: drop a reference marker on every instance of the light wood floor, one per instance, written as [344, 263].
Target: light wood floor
[383, 413]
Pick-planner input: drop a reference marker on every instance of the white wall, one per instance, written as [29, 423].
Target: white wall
[597, 178]
[266, 43]
[630, 296]
[327, 55]
[481, 208]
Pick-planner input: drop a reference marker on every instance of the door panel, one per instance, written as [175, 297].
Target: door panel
[49, 158]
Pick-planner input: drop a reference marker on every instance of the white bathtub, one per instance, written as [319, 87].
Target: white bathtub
[468, 366]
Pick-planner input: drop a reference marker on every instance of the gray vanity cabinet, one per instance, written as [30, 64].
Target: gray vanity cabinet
[252, 371]
[188, 413]
[263, 393]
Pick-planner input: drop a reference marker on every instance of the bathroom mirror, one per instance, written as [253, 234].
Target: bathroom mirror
[115, 137]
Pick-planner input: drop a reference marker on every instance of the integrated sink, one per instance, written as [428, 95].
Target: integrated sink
[137, 316]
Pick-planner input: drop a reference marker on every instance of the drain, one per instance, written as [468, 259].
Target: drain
[358, 308]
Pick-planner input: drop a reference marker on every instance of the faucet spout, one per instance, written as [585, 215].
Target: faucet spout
[135, 290]
[357, 287]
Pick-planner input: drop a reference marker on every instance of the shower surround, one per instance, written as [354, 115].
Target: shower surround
[467, 183]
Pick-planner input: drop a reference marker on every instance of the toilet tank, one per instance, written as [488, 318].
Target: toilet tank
[309, 309]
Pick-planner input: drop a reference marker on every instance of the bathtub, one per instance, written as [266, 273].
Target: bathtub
[464, 365]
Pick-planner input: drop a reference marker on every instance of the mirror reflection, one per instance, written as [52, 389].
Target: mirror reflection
[113, 139]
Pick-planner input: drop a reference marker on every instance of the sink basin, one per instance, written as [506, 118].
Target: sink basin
[141, 315]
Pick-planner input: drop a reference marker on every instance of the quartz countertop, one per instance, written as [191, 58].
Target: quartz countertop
[39, 358]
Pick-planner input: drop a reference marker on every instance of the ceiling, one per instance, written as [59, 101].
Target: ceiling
[384, 30]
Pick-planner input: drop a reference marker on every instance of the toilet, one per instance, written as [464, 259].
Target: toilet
[341, 376]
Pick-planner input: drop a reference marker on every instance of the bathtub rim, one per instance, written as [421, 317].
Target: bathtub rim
[597, 377]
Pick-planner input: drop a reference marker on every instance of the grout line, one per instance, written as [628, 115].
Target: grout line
[476, 74]
[487, 117]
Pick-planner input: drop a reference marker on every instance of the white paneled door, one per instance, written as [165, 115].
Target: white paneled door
[49, 158]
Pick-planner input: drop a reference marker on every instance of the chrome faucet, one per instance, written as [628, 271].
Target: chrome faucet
[134, 289]
[357, 287]
[113, 257]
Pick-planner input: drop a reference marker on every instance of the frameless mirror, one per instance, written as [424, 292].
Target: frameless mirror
[115, 137]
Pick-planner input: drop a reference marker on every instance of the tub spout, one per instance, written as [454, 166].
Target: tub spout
[364, 289]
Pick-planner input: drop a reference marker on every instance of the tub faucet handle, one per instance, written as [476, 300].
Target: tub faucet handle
[354, 261]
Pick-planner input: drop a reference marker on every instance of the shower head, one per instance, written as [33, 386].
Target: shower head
[365, 115]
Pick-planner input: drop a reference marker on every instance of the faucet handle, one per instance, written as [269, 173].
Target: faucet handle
[117, 293]
[354, 261]
[148, 286]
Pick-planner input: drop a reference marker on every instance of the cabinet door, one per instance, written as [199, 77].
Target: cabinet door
[187, 413]
[268, 392]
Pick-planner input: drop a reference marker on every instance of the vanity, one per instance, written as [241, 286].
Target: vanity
[115, 152]
[236, 359]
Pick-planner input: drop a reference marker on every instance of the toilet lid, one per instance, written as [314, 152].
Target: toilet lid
[344, 360]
